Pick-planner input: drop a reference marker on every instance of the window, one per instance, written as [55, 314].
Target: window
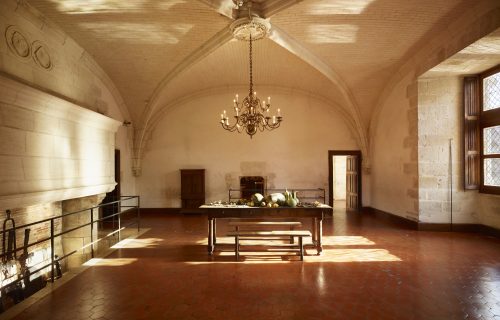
[489, 119]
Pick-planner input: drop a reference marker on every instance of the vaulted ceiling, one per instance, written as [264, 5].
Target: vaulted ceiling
[343, 50]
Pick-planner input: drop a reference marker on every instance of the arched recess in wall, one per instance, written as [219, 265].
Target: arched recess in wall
[163, 112]
[281, 39]
[470, 27]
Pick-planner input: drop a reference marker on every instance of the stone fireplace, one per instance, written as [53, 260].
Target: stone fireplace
[57, 157]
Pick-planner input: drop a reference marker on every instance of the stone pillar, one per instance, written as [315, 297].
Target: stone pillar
[410, 167]
[76, 239]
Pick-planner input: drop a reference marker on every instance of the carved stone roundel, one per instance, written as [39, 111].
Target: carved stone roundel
[41, 55]
[17, 42]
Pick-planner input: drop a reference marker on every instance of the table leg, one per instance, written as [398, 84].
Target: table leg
[211, 246]
[320, 235]
[215, 231]
[314, 232]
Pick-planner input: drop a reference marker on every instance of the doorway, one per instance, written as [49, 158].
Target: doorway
[344, 167]
[115, 194]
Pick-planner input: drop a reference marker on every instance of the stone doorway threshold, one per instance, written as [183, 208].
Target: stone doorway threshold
[20, 307]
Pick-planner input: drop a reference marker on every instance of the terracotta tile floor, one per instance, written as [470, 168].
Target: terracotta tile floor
[370, 270]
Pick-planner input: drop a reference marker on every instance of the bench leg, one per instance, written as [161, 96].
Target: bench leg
[211, 245]
[301, 249]
[237, 247]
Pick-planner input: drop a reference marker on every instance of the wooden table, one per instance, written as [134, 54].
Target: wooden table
[224, 212]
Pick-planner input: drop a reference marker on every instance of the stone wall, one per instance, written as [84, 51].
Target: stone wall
[489, 214]
[293, 156]
[80, 238]
[394, 179]
[37, 53]
[442, 197]
[51, 149]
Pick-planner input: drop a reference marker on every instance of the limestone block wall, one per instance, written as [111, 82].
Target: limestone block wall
[394, 179]
[81, 237]
[190, 136]
[51, 149]
[35, 51]
[442, 197]
[489, 214]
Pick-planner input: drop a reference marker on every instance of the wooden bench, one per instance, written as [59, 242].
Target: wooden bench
[237, 223]
[269, 234]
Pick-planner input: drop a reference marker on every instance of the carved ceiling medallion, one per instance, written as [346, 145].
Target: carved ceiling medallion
[20, 46]
[17, 42]
[41, 55]
[253, 26]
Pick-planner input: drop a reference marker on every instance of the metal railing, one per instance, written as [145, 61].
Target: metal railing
[54, 260]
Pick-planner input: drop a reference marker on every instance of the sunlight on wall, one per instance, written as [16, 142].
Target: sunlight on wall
[115, 6]
[100, 262]
[339, 7]
[138, 32]
[137, 243]
[339, 33]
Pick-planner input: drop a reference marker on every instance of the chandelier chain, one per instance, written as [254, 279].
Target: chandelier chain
[251, 68]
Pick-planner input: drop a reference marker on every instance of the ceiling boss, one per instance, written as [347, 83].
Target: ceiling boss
[251, 114]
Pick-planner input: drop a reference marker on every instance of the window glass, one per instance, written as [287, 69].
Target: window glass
[492, 172]
[491, 140]
[491, 92]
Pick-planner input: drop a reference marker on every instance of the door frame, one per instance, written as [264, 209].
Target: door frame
[332, 153]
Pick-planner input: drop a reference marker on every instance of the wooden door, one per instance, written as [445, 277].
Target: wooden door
[192, 189]
[352, 183]
[116, 193]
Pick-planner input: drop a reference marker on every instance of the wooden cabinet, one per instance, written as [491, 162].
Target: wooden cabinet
[192, 189]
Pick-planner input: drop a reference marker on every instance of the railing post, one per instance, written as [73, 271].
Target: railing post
[52, 253]
[119, 226]
[92, 232]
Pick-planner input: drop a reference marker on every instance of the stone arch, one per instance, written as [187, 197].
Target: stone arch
[163, 111]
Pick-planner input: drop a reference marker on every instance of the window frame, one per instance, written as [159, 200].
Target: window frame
[487, 119]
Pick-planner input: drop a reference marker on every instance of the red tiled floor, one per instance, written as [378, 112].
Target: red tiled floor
[369, 270]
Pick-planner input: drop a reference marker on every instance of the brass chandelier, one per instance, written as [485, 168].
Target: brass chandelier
[252, 114]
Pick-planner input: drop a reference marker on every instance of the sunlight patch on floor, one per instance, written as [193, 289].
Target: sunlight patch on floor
[138, 243]
[327, 240]
[347, 241]
[117, 262]
[351, 255]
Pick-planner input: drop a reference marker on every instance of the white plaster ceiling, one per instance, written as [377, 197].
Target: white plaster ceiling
[271, 68]
[139, 43]
[479, 56]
